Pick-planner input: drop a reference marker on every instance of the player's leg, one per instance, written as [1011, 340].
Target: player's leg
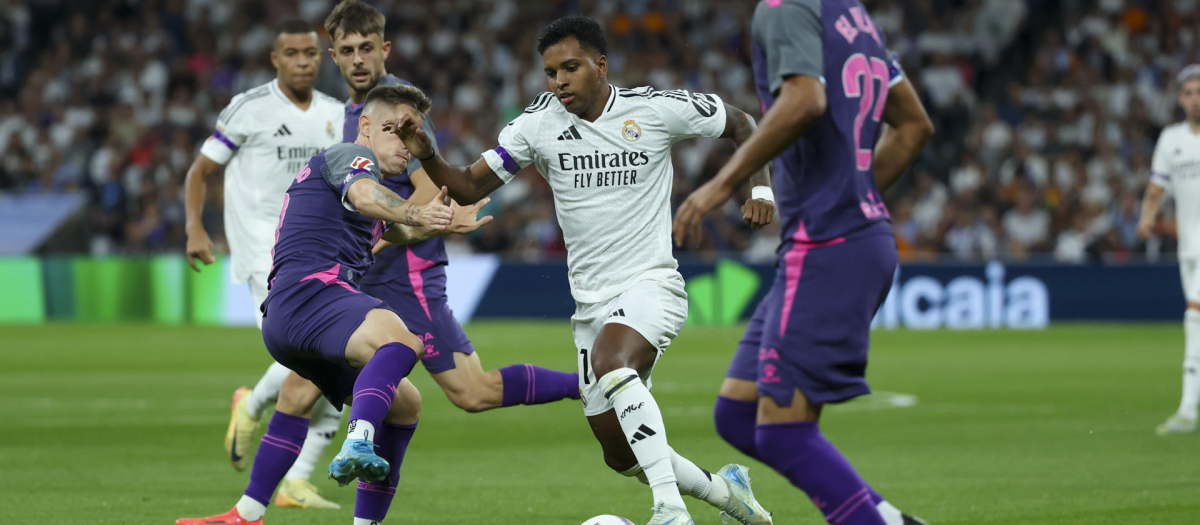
[385, 352]
[737, 404]
[1184, 419]
[248, 404]
[296, 490]
[280, 446]
[815, 352]
[473, 389]
[375, 497]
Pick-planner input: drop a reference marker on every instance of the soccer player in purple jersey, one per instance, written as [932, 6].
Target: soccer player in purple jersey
[412, 278]
[826, 83]
[339, 342]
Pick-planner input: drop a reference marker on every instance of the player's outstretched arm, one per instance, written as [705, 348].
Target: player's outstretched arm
[199, 245]
[908, 129]
[1151, 204]
[759, 211]
[800, 104]
[377, 202]
[466, 185]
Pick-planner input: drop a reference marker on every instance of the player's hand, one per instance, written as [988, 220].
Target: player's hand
[435, 216]
[466, 218]
[199, 246]
[412, 133]
[758, 212]
[691, 213]
[1145, 229]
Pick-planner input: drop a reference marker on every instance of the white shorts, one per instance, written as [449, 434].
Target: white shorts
[1189, 270]
[655, 308]
[258, 290]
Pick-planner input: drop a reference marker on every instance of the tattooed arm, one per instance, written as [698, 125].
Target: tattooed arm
[377, 202]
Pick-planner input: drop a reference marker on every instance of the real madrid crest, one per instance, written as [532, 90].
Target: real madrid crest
[631, 131]
[329, 128]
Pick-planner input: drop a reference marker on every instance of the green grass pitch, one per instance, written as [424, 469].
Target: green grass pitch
[122, 424]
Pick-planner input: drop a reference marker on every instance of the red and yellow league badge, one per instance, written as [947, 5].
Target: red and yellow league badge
[329, 128]
[583, 398]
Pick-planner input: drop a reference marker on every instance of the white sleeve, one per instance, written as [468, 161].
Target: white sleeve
[1160, 166]
[515, 150]
[688, 114]
[230, 133]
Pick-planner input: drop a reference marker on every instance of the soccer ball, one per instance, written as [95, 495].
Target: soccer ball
[607, 519]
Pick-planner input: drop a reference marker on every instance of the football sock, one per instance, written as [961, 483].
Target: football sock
[801, 453]
[1191, 364]
[735, 423]
[642, 422]
[266, 391]
[691, 480]
[323, 426]
[365, 521]
[534, 385]
[375, 388]
[278, 449]
[374, 499]
[250, 509]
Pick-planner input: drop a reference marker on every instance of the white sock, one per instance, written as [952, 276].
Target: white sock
[266, 391]
[250, 509]
[692, 480]
[325, 422]
[365, 521]
[642, 422]
[1191, 364]
[699, 483]
[361, 429]
[891, 515]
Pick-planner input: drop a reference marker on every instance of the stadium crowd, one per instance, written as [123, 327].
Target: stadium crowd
[1046, 111]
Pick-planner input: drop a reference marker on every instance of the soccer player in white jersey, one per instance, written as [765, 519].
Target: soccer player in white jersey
[264, 137]
[606, 152]
[1176, 166]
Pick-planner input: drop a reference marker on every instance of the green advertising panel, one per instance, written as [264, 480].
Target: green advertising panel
[21, 288]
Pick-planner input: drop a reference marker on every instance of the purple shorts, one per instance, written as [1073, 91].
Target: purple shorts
[421, 303]
[306, 328]
[812, 330]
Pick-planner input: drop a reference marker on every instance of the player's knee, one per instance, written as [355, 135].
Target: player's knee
[620, 462]
[406, 407]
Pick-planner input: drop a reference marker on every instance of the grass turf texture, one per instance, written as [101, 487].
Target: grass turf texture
[122, 424]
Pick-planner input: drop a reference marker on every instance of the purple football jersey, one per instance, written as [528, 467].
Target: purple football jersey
[823, 182]
[397, 264]
[320, 234]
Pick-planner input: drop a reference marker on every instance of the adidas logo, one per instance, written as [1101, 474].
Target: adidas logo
[619, 313]
[642, 432]
[570, 134]
[283, 130]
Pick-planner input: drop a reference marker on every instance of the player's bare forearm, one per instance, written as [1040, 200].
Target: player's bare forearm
[739, 127]
[908, 129]
[377, 202]
[800, 104]
[467, 185]
[194, 191]
[1152, 202]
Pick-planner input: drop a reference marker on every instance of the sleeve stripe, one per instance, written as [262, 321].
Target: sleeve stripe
[510, 165]
[1158, 176]
[224, 140]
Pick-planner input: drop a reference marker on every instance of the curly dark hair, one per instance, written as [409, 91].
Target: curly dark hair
[587, 31]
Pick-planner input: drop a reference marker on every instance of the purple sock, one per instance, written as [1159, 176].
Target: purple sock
[735, 423]
[802, 454]
[375, 388]
[534, 385]
[374, 498]
[276, 453]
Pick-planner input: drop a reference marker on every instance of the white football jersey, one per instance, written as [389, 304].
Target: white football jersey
[1176, 167]
[269, 140]
[611, 179]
